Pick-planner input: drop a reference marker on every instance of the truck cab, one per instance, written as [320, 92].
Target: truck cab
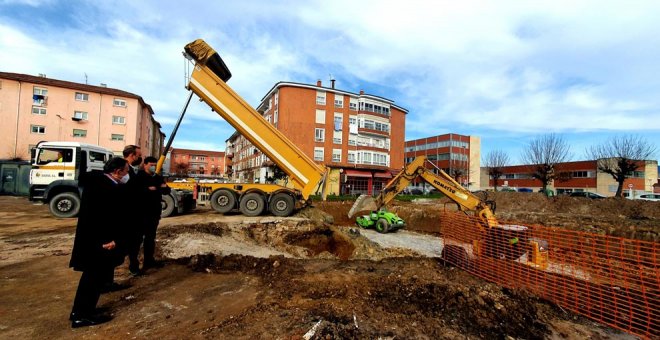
[56, 168]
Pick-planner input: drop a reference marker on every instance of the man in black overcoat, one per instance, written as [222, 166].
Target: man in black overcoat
[151, 186]
[132, 223]
[99, 240]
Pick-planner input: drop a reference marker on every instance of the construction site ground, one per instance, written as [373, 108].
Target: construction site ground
[299, 277]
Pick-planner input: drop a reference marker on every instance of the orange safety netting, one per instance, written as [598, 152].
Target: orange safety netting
[612, 280]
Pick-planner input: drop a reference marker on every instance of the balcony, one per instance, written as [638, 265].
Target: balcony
[377, 114]
[374, 132]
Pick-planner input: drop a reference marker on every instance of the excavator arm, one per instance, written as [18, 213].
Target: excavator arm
[465, 200]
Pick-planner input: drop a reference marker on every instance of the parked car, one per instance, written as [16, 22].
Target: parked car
[586, 194]
[648, 197]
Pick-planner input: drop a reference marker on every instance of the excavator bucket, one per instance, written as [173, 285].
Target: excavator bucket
[362, 203]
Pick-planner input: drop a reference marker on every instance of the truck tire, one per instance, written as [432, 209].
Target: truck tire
[223, 201]
[252, 204]
[167, 206]
[382, 226]
[281, 204]
[65, 205]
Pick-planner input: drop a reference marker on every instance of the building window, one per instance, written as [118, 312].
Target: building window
[319, 135]
[38, 129]
[338, 122]
[336, 137]
[352, 140]
[82, 97]
[39, 96]
[275, 118]
[38, 110]
[339, 102]
[336, 155]
[119, 102]
[79, 133]
[320, 117]
[117, 137]
[318, 154]
[352, 106]
[79, 115]
[320, 98]
[118, 120]
[40, 91]
[351, 157]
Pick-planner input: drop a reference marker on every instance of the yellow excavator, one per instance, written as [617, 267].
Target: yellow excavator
[491, 240]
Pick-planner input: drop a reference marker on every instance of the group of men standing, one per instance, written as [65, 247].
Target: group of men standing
[127, 187]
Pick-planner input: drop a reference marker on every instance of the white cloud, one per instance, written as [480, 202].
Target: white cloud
[478, 66]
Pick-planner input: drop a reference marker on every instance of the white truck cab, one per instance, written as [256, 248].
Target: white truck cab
[56, 168]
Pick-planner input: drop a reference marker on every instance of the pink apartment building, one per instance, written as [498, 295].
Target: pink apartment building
[36, 108]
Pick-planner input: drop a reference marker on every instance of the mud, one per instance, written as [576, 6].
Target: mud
[265, 277]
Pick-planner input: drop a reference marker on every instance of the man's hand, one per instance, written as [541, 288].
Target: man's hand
[152, 188]
[109, 246]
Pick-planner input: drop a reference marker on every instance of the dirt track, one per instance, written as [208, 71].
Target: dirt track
[266, 277]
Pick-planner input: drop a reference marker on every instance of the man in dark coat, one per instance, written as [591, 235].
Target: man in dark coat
[99, 240]
[133, 155]
[152, 187]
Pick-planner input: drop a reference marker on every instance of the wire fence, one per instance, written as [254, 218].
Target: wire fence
[612, 280]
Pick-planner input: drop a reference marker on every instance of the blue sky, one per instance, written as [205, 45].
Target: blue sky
[506, 71]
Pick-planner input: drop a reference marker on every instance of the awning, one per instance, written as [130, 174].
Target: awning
[357, 173]
[383, 175]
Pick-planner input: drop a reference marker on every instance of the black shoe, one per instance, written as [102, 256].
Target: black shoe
[77, 321]
[113, 287]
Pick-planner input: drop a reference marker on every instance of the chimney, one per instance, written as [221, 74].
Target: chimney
[361, 92]
[104, 85]
[333, 83]
[318, 83]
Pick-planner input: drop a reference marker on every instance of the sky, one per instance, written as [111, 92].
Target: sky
[505, 71]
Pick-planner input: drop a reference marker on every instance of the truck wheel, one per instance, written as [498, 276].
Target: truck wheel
[166, 205]
[252, 204]
[223, 201]
[65, 205]
[281, 205]
[382, 226]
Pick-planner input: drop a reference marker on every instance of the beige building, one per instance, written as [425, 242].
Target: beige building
[37, 108]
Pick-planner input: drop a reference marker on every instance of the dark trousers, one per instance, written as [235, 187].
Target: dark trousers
[146, 234]
[150, 227]
[89, 291]
[134, 250]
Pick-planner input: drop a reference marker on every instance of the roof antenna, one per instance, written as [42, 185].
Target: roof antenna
[86, 78]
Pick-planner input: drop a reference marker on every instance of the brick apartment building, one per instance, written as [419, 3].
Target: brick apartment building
[457, 155]
[36, 108]
[581, 176]
[196, 163]
[359, 136]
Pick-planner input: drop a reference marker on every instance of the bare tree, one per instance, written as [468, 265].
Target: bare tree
[494, 163]
[619, 156]
[181, 168]
[543, 154]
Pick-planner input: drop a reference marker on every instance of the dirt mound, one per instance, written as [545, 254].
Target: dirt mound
[396, 298]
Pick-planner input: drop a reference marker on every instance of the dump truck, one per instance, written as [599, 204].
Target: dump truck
[208, 81]
[496, 240]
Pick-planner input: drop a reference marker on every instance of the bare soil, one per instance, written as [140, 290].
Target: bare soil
[298, 277]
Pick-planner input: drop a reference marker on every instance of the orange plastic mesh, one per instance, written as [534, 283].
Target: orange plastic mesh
[612, 280]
